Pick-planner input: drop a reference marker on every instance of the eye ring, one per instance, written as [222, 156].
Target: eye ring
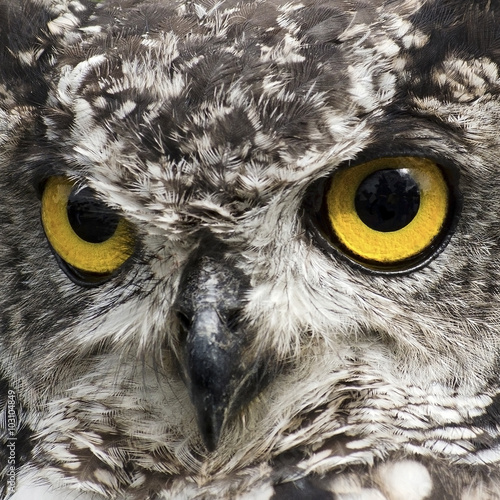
[96, 259]
[412, 240]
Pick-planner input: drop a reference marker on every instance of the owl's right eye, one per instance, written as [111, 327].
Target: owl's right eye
[84, 233]
[390, 214]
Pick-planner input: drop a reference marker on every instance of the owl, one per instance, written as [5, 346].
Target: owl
[250, 249]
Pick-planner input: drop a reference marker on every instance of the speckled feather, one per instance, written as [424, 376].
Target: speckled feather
[208, 125]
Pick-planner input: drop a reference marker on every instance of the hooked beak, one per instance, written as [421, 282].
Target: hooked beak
[216, 363]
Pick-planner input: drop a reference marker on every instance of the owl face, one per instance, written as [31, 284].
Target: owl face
[244, 242]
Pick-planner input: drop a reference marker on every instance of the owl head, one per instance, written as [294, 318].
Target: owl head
[248, 243]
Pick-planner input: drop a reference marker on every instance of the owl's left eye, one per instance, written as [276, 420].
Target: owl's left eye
[89, 238]
[389, 214]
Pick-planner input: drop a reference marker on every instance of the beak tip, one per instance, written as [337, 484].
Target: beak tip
[210, 423]
[210, 442]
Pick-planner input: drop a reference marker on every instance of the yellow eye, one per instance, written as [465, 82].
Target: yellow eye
[390, 210]
[85, 233]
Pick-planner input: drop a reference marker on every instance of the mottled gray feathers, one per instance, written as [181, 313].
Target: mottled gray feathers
[214, 130]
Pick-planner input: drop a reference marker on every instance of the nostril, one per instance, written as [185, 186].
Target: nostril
[185, 324]
[233, 318]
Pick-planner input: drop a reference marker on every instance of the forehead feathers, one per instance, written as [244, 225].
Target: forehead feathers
[225, 103]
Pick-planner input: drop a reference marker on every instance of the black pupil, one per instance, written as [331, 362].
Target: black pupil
[387, 200]
[90, 219]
